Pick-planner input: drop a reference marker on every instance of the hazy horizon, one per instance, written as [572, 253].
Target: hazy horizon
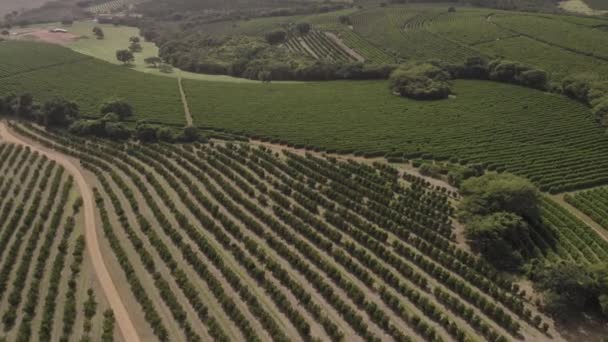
[7, 6]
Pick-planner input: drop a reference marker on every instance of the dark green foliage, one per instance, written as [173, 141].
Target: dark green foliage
[145, 132]
[303, 28]
[498, 210]
[88, 127]
[515, 72]
[420, 82]
[108, 326]
[118, 106]
[125, 56]
[276, 37]
[98, 32]
[135, 47]
[59, 112]
[153, 61]
[494, 236]
[571, 287]
[493, 192]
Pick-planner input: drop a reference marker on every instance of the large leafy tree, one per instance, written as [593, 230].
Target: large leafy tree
[492, 193]
[496, 237]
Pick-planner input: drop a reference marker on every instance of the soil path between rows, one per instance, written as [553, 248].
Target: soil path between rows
[125, 324]
[182, 94]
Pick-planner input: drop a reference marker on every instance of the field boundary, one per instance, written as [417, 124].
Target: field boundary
[565, 48]
[182, 93]
[599, 230]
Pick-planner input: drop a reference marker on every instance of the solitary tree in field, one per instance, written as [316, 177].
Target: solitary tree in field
[135, 47]
[134, 39]
[98, 32]
[125, 56]
[153, 61]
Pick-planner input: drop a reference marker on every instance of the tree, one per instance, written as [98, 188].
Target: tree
[303, 28]
[116, 130]
[98, 32]
[118, 106]
[344, 20]
[145, 132]
[265, 76]
[422, 81]
[153, 61]
[24, 106]
[570, 287]
[125, 56]
[134, 39]
[135, 47]
[165, 134]
[492, 193]
[165, 68]
[88, 127]
[189, 134]
[276, 37]
[496, 236]
[59, 112]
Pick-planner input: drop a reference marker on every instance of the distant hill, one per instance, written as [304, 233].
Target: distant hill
[7, 6]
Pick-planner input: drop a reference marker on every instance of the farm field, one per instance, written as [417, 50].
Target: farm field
[46, 278]
[112, 6]
[480, 125]
[425, 32]
[284, 241]
[154, 98]
[422, 189]
[593, 203]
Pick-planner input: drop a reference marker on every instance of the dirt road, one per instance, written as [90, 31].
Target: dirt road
[184, 101]
[121, 314]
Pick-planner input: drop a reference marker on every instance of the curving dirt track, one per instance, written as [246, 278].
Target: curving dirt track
[126, 326]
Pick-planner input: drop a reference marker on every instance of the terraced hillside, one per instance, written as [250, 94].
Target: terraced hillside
[238, 241]
[321, 45]
[430, 31]
[48, 290]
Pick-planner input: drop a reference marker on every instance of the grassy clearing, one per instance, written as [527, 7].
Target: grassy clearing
[117, 38]
[506, 127]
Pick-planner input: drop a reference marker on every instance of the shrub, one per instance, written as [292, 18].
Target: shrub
[420, 82]
[492, 193]
[276, 37]
[118, 106]
[303, 28]
[494, 236]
